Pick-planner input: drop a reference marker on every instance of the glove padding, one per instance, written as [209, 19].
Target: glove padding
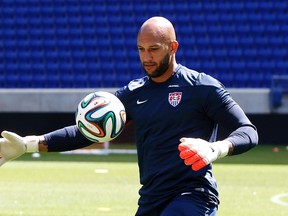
[13, 146]
[199, 153]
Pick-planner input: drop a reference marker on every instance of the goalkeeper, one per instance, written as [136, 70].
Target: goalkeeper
[176, 112]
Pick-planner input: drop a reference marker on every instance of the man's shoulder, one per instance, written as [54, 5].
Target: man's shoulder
[198, 78]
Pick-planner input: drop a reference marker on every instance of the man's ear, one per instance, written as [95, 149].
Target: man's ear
[174, 46]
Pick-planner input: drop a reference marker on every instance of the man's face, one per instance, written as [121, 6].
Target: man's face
[154, 55]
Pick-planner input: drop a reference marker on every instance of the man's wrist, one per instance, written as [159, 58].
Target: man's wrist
[31, 144]
[43, 146]
[224, 148]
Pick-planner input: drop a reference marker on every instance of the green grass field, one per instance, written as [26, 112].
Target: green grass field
[89, 185]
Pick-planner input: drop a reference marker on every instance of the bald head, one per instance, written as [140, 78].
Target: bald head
[157, 47]
[160, 28]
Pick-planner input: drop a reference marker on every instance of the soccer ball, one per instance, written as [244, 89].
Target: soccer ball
[100, 116]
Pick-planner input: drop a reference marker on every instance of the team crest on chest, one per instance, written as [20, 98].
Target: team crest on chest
[174, 98]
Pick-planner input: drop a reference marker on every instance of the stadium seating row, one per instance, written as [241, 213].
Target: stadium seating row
[86, 44]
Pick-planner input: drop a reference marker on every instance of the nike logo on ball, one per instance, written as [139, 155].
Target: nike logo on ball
[141, 102]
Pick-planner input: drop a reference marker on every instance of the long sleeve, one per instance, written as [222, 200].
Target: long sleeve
[65, 139]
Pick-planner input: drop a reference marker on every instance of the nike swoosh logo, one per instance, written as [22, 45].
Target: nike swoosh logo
[141, 102]
[173, 86]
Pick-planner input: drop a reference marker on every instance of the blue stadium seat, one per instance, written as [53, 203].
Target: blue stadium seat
[53, 80]
[123, 79]
[282, 65]
[39, 81]
[3, 81]
[256, 80]
[12, 80]
[45, 41]
[67, 80]
[226, 78]
[109, 79]
[80, 80]
[94, 80]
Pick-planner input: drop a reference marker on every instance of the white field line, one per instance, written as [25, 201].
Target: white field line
[277, 199]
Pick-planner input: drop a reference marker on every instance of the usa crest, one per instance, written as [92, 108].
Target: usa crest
[174, 98]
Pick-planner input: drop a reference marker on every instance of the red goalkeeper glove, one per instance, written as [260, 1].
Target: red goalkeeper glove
[199, 153]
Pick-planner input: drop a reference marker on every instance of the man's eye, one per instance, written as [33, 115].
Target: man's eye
[154, 49]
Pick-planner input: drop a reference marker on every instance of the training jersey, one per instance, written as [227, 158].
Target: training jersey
[188, 104]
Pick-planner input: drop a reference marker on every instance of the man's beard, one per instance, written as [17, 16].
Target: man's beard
[163, 67]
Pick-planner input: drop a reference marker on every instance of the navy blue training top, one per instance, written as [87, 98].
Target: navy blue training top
[188, 104]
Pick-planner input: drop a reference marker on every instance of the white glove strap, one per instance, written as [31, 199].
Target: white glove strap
[223, 148]
[31, 143]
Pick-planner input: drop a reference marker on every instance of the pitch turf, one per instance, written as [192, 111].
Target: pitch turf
[89, 185]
